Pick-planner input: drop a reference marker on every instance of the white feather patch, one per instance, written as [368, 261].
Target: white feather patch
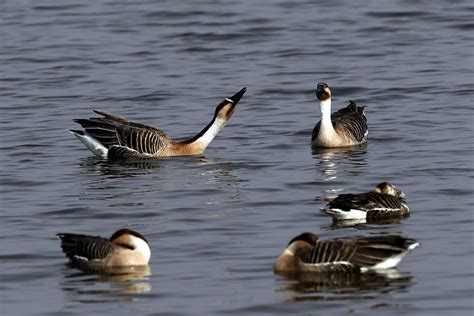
[386, 264]
[390, 262]
[92, 144]
[142, 247]
[413, 246]
[80, 258]
[341, 214]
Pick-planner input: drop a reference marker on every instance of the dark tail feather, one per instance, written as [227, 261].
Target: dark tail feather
[355, 108]
[102, 129]
[68, 243]
[113, 117]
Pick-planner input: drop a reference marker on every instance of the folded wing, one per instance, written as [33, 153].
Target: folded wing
[82, 248]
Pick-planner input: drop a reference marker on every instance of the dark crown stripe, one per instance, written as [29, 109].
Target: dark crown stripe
[126, 231]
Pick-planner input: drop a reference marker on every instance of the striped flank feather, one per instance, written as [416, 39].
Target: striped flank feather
[343, 255]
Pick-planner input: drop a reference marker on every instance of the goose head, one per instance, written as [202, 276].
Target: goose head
[134, 241]
[302, 242]
[323, 92]
[227, 107]
[287, 261]
[390, 189]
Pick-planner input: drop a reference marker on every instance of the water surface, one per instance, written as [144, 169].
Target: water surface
[217, 222]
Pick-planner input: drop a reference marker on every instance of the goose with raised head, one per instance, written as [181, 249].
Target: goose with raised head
[385, 201]
[307, 253]
[115, 137]
[124, 248]
[346, 127]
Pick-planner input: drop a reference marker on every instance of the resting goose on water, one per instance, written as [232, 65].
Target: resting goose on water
[385, 201]
[125, 248]
[115, 137]
[307, 253]
[346, 127]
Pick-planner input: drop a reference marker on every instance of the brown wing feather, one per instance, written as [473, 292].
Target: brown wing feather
[366, 201]
[114, 130]
[80, 248]
[375, 249]
[328, 251]
[336, 253]
[360, 252]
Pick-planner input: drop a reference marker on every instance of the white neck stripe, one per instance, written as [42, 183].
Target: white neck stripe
[213, 130]
[325, 110]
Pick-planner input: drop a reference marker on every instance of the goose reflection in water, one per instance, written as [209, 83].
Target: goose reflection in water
[165, 175]
[363, 223]
[344, 162]
[219, 172]
[345, 286]
[216, 171]
[118, 169]
[222, 172]
[87, 286]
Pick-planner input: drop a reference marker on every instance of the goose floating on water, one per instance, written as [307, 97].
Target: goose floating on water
[307, 253]
[385, 201]
[346, 127]
[125, 248]
[115, 137]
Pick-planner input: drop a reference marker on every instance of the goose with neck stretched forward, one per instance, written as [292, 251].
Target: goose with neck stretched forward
[114, 137]
[346, 127]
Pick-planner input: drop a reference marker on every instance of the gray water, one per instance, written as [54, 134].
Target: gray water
[217, 222]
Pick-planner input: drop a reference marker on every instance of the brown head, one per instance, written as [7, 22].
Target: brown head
[323, 92]
[287, 261]
[125, 237]
[303, 241]
[227, 107]
[390, 189]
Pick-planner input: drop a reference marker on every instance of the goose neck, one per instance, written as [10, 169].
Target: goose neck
[325, 111]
